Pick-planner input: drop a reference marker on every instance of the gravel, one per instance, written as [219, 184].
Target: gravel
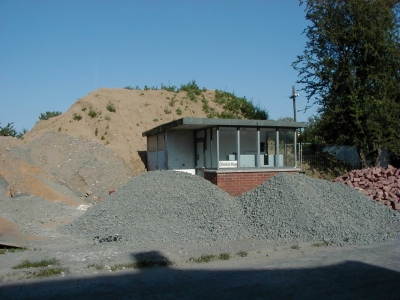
[297, 207]
[164, 207]
[177, 208]
[37, 216]
[81, 165]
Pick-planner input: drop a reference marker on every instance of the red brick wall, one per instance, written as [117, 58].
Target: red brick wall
[236, 183]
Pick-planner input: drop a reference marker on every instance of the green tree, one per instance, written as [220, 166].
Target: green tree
[351, 69]
[49, 114]
[8, 130]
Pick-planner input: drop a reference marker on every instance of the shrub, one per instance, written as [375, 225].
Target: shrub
[178, 111]
[167, 111]
[77, 117]
[96, 132]
[92, 113]
[111, 107]
[49, 114]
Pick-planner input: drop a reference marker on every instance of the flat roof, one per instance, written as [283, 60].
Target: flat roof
[203, 123]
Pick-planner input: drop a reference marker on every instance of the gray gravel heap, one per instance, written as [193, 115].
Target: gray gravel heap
[164, 207]
[297, 207]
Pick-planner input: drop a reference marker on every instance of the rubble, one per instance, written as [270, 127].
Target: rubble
[380, 184]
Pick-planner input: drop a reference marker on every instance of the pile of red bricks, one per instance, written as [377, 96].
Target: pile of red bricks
[381, 184]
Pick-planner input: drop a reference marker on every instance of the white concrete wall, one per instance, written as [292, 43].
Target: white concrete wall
[180, 149]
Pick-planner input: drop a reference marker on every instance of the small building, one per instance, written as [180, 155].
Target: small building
[236, 155]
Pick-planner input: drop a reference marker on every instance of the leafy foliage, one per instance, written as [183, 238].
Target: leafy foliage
[351, 70]
[110, 107]
[237, 107]
[8, 130]
[49, 114]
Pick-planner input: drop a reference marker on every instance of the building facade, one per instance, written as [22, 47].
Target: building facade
[236, 155]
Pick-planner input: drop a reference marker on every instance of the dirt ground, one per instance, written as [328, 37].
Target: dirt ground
[267, 272]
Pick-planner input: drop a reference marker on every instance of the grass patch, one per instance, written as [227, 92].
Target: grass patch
[12, 250]
[205, 258]
[323, 244]
[155, 120]
[241, 253]
[167, 111]
[224, 256]
[142, 264]
[48, 272]
[36, 264]
[96, 266]
[295, 247]
[178, 111]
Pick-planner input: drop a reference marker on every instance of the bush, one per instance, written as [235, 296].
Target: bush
[8, 130]
[49, 114]
[92, 113]
[110, 107]
[77, 117]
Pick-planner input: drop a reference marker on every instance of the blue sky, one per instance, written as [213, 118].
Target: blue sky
[53, 52]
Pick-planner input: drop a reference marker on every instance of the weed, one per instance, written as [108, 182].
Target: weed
[97, 95]
[141, 94]
[168, 88]
[77, 117]
[172, 102]
[105, 132]
[48, 272]
[59, 129]
[96, 266]
[224, 256]
[137, 124]
[142, 264]
[325, 243]
[36, 264]
[178, 111]
[107, 118]
[108, 125]
[167, 111]
[106, 143]
[146, 104]
[92, 113]
[12, 250]
[84, 108]
[102, 138]
[241, 253]
[346, 240]
[155, 120]
[110, 107]
[96, 132]
[204, 258]
[295, 247]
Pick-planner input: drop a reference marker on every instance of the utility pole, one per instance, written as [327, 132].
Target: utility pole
[294, 95]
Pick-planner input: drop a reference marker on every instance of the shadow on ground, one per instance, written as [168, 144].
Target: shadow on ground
[347, 280]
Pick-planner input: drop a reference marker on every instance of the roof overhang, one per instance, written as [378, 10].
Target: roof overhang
[204, 123]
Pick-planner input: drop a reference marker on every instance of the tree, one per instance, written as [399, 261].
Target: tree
[49, 114]
[8, 130]
[351, 69]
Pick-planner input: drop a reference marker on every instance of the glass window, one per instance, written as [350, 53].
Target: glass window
[286, 147]
[248, 147]
[152, 143]
[227, 147]
[160, 144]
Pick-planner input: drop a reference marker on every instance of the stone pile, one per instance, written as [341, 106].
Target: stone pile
[380, 184]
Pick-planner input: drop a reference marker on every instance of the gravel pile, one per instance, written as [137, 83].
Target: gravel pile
[164, 207]
[35, 215]
[82, 165]
[297, 207]
[174, 207]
